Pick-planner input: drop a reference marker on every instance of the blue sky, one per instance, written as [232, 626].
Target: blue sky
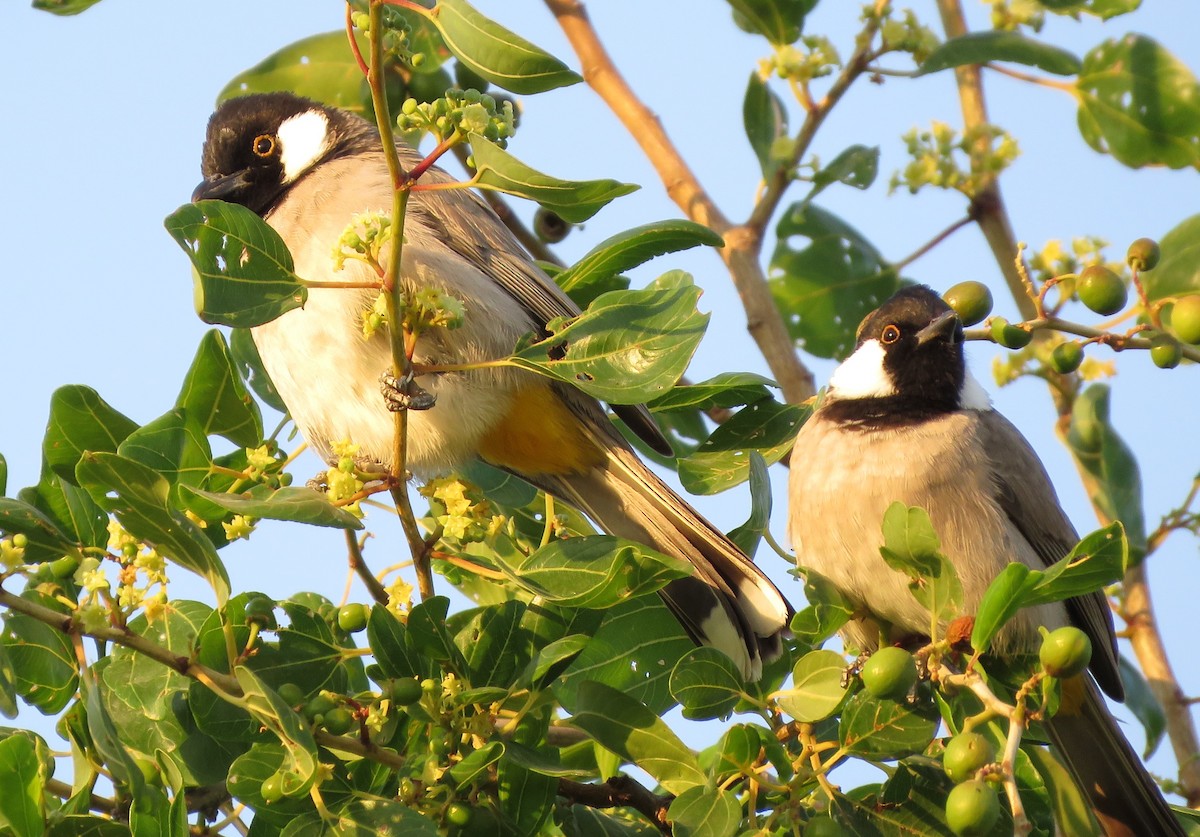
[106, 114]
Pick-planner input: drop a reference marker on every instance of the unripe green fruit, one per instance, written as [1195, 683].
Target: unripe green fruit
[458, 814]
[823, 826]
[889, 673]
[1185, 319]
[352, 618]
[63, 567]
[1066, 357]
[339, 721]
[1008, 335]
[1165, 351]
[972, 809]
[291, 694]
[318, 706]
[1101, 290]
[550, 226]
[261, 611]
[272, 788]
[1143, 254]
[405, 691]
[972, 301]
[1065, 652]
[965, 754]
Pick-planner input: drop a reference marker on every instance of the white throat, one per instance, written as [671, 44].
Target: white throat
[862, 374]
[303, 139]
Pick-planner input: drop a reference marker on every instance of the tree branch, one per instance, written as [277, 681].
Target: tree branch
[619, 792]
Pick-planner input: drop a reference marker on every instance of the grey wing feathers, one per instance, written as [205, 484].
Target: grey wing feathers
[1027, 496]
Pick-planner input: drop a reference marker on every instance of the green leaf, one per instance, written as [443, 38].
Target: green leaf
[765, 119]
[476, 763]
[597, 571]
[825, 289]
[729, 389]
[107, 742]
[22, 811]
[722, 460]
[429, 637]
[1140, 104]
[1100, 559]
[244, 273]
[174, 445]
[1003, 597]
[299, 505]
[498, 55]
[387, 637]
[748, 535]
[80, 420]
[1178, 273]
[628, 728]
[818, 687]
[8, 685]
[496, 645]
[214, 395]
[997, 45]
[628, 249]
[43, 533]
[857, 167]
[706, 683]
[69, 507]
[526, 796]
[628, 347]
[1112, 477]
[1071, 807]
[1144, 704]
[828, 610]
[779, 21]
[554, 657]
[910, 543]
[250, 368]
[705, 812]
[45, 672]
[138, 496]
[64, 7]
[269, 709]
[885, 728]
[572, 200]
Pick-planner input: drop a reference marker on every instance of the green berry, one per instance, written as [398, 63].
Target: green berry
[972, 809]
[1143, 254]
[291, 694]
[823, 825]
[889, 673]
[1065, 652]
[1008, 335]
[1066, 357]
[339, 721]
[1101, 290]
[1165, 351]
[965, 754]
[972, 301]
[1185, 319]
[261, 611]
[318, 706]
[272, 788]
[352, 618]
[458, 814]
[405, 691]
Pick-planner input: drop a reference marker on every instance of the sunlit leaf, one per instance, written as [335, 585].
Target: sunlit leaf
[998, 45]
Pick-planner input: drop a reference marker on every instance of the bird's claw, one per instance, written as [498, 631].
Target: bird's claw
[404, 393]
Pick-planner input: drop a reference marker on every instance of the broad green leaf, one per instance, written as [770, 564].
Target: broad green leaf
[214, 395]
[495, 644]
[83, 825]
[722, 460]
[299, 505]
[428, 635]
[1113, 479]
[825, 289]
[729, 389]
[572, 200]
[64, 7]
[553, 658]
[68, 506]
[827, 610]
[748, 535]
[255, 766]
[292, 731]
[46, 540]
[151, 814]
[1144, 704]
[8, 685]
[250, 368]
[779, 21]
[628, 249]
[706, 683]
[3, 475]
[387, 637]
[910, 543]
[997, 45]
[1071, 807]
[496, 54]
[107, 741]
[885, 729]
[618, 822]
[1140, 104]
[1178, 273]
[45, 671]
[1003, 597]
[80, 420]
[22, 809]
[476, 763]
[244, 274]
[371, 818]
[818, 687]
[138, 496]
[631, 730]
[526, 797]
[628, 347]
[765, 119]
[1098, 560]
[174, 445]
[705, 812]
[592, 572]
[857, 167]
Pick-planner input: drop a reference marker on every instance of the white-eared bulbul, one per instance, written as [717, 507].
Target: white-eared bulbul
[903, 420]
[308, 170]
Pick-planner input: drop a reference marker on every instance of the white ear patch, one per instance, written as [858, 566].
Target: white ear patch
[303, 138]
[862, 374]
[972, 396]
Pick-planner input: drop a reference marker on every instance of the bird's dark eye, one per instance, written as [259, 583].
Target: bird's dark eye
[890, 334]
[264, 145]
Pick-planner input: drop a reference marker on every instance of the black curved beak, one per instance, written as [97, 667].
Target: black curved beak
[221, 187]
[945, 325]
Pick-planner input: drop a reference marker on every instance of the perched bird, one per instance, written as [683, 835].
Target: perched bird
[903, 420]
[308, 169]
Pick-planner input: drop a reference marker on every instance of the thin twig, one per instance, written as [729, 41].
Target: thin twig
[359, 565]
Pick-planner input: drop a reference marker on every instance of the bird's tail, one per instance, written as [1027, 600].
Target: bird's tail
[1123, 796]
[729, 603]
